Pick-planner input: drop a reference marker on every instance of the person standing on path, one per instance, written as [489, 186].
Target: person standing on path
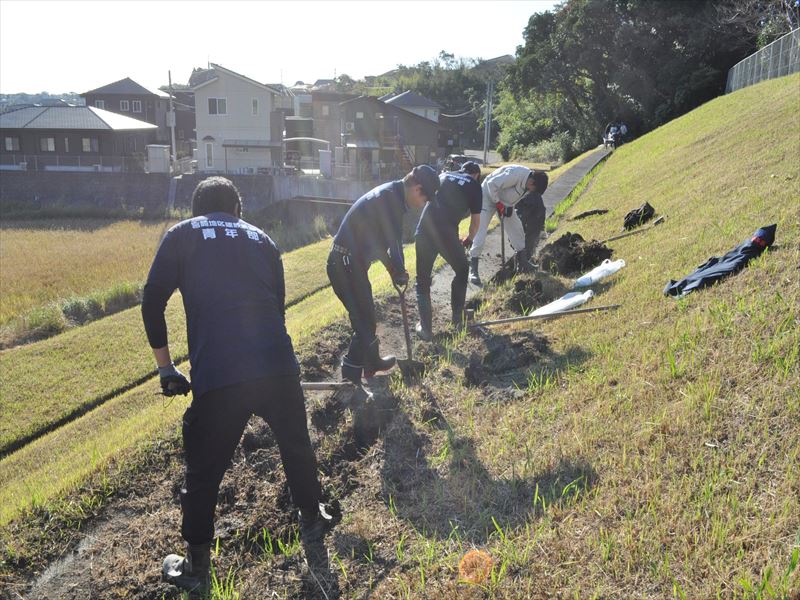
[459, 195]
[502, 190]
[372, 230]
[231, 278]
[532, 213]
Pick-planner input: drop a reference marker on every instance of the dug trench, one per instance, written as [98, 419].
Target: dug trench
[115, 551]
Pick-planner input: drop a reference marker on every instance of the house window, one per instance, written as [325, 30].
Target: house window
[359, 115]
[217, 106]
[136, 105]
[89, 145]
[66, 145]
[12, 144]
[124, 105]
[100, 104]
[255, 106]
[326, 110]
[47, 144]
[209, 156]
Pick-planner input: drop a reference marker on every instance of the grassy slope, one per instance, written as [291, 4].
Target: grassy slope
[683, 417]
[45, 381]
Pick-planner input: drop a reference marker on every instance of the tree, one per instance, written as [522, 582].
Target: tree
[592, 61]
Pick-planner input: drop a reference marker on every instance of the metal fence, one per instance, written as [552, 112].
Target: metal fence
[100, 164]
[779, 58]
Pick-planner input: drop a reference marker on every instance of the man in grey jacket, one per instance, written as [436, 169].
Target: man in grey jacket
[502, 190]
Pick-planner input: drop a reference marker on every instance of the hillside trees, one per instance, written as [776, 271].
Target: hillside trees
[591, 61]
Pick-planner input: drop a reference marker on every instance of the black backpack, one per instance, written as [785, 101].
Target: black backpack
[639, 216]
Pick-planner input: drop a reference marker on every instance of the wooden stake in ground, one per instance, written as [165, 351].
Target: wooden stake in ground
[658, 221]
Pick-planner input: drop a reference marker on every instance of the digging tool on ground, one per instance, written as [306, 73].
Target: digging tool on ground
[566, 313]
[658, 221]
[411, 369]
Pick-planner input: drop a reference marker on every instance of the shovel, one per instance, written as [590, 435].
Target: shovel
[411, 369]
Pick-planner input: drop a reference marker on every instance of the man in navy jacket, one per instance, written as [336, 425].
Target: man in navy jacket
[373, 230]
[230, 276]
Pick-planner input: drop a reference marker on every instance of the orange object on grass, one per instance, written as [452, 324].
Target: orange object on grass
[475, 566]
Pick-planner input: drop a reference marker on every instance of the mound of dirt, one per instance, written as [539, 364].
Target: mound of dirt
[504, 354]
[527, 294]
[572, 254]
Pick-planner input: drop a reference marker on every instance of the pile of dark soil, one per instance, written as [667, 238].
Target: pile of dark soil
[572, 254]
[527, 294]
[504, 354]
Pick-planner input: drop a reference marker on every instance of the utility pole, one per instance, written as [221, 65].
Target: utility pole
[171, 123]
[487, 128]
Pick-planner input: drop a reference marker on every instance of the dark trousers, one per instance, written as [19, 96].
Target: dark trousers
[532, 213]
[351, 284]
[212, 427]
[432, 241]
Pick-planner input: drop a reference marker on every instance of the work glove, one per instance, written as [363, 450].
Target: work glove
[173, 382]
[466, 242]
[503, 210]
[399, 278]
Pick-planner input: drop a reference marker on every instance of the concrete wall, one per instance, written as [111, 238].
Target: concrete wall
[22, 191]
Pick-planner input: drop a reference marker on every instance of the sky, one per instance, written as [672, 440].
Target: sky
[76, 46]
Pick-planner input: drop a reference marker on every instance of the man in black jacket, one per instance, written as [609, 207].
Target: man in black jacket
[230, 276]
[459, 195]
[373, 230]
[532, 213]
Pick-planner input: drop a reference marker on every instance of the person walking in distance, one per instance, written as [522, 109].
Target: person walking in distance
[372, 230]
[502, 190]
[231, 278]
[459, 195]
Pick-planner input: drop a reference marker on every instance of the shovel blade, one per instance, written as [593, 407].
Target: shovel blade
[411, 369]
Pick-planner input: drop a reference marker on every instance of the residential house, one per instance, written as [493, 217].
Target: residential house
[383, 140]
[413, 102]
[238, 127]
[326, 112]
[72, 138]
[126, 97]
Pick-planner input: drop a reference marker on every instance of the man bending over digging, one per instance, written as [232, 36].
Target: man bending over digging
[230, 275]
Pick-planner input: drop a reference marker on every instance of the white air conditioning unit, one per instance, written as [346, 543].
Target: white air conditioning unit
[349, 126]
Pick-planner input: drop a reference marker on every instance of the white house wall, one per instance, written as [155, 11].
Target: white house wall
[238, 124]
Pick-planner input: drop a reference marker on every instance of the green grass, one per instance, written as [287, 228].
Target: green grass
[686, 413]
[46, 382]
[46, 261]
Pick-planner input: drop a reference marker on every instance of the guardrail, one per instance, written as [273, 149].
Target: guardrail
[781, 57]
[89, 164]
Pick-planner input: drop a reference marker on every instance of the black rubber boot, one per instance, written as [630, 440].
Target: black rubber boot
[374, 362]
[351, 372]
[474, 278]
[425, 326]
[191, 572]
[521, 263]
[314, 526]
